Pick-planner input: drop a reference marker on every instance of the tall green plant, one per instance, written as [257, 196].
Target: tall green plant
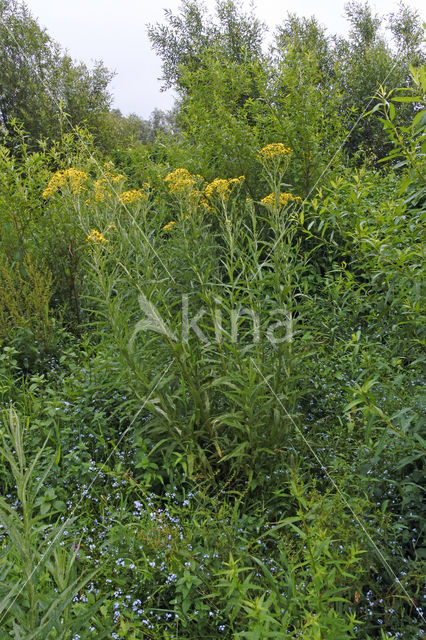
[202, 330]
[40, 577]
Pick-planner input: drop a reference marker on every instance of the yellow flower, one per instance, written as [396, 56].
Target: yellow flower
[221, 188]
[169, 226]
[204, 203]
[109, 173]
[101, 185]
[273, 151]
[117, 178]
[71, 178]
[127, 197]
[283, 200]
[101, 190]
[96, 237]
[181, 181]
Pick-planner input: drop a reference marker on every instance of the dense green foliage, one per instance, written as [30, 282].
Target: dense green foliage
[211, 338]
[50, 94]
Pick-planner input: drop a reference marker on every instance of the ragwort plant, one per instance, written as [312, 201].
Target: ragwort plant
[195, 322]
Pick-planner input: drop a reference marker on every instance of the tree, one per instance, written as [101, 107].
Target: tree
[183, 40]
[365, 61]
[216, 66]
[38, 82]
[408, 34]
[219, 116]
[304, 99]
[311, 88]
[27, 58]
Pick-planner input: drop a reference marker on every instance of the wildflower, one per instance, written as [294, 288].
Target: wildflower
[274, 151]
[283, 200]
[222, 188]
[181, 181]
[169, 226]
[127, 197]
[204, 203]
[72, 178]
[100, 190]
[96, 237]
[117, 178]
[109, 173]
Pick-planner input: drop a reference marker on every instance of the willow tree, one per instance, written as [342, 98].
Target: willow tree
[39, 84]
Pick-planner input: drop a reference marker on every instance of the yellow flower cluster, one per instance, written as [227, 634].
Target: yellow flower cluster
[273, 151]
[96, 237]
[284, 199]
[73, 178]
[101, 185]
[221, 188]
[181, 181]
[109, 174]
[169, 226]
[101, 190]
[117, 177]
[204, 203]
[127, 197]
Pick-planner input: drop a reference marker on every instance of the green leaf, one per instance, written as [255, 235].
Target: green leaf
[408, 99]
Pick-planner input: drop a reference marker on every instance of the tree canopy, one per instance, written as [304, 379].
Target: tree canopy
[39, 83]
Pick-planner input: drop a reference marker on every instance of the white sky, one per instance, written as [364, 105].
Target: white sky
[115, 32]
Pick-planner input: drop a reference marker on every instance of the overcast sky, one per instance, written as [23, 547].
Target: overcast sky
[115, 32]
